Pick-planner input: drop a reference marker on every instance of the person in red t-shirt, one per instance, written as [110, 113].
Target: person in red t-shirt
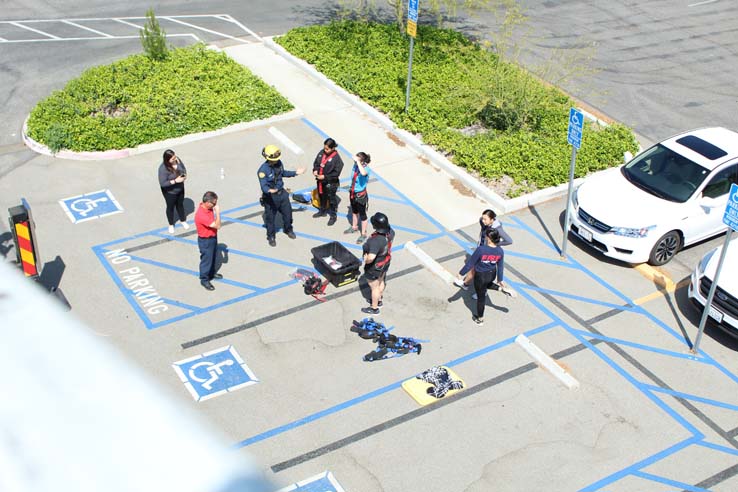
[207, 222]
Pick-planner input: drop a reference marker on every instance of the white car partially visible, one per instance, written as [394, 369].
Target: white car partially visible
[724, 307]
[667, 197]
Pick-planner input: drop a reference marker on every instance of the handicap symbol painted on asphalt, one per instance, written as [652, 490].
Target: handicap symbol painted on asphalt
[214, 373]
[90, 206]
[323, 482]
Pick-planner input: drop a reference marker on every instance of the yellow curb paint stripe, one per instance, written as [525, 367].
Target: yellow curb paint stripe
[657, 277]
[661, 293]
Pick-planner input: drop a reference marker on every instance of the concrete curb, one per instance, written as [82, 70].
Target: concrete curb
[547, 362]
[144, 148]
[500, 204]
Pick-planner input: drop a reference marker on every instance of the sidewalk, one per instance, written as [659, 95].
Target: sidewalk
[439, 194]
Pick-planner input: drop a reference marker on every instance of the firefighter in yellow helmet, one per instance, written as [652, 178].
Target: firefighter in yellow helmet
[274, 197]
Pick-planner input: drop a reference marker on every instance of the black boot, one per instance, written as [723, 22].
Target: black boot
[320, 213]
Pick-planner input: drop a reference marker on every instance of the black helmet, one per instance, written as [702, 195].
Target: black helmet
[380, 223]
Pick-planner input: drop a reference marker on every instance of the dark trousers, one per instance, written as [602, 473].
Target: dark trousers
[482, 282]
[328, 198]
[208, 247]
[273, 203]
[174, 200]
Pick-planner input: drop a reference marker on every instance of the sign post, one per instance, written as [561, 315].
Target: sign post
[574, 137]
[412, 29]
[730, 218]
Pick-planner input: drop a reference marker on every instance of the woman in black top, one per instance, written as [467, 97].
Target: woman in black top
[327, 169]
[172, 175]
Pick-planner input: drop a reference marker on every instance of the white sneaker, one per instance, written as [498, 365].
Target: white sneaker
[185, 225]
[460, 283]
[508, 292]
[171, 229]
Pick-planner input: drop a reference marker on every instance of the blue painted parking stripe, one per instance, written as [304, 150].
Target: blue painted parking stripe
[579, 298]
[372, 394]
[539, 258]
[641, 464]
[649, 348]
[128, 238]
[171, 302]
[423, 240]
[688, 396]
[98, 250]
[637, 384]
[535, 234]
[193, 273]
[668, 481]
[388, 199]
[718, 447]
[299, 234]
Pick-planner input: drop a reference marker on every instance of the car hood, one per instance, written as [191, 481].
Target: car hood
[612, 199]
[728, 280]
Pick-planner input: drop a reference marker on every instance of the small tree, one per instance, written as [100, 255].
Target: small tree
[153, 38]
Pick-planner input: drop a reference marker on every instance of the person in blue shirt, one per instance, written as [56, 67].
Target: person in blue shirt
[274, 197]
[488, 261]
[358, 195]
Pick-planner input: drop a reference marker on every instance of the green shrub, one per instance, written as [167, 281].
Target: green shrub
[153, 38]
[137, 100]
[457, 85]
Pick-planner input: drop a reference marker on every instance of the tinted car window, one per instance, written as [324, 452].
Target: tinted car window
[665, 174]
[719, 185]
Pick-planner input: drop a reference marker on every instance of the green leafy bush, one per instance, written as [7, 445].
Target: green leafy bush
[153, 38]
[519, 124]
[137, 100]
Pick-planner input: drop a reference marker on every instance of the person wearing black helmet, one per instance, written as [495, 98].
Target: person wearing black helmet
[377, 256]
[327, 169]
[274, 197]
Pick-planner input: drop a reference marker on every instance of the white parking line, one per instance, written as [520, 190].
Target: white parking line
[701, 3]
[128, 23]
[202, 29]
[96, 38]
[18, 24]
[231, 19]
[87, 28]
[285, 140]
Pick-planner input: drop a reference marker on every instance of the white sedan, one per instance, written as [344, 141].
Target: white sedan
[667, 197]
[724, 307]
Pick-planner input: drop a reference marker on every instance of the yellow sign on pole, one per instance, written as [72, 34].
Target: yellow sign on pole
[412, 28]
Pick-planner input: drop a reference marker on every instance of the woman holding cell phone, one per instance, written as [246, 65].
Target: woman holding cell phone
[172, 175]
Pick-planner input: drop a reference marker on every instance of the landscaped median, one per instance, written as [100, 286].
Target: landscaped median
[485, 114]
[137, 101]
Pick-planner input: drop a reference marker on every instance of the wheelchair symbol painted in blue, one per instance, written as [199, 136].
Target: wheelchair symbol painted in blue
[214, 373]
[90, 206]
[323, 482]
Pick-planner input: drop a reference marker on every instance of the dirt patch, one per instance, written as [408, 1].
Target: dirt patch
[395, 139]
[111, 110]
[461, 188]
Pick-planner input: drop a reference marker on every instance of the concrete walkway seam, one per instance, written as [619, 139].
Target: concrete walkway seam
[161, 144]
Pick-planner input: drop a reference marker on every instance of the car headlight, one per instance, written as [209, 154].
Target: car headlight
[704, 261]
[631, 231]
[575, 198]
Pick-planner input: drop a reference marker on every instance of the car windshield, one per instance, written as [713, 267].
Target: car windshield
[665, 174]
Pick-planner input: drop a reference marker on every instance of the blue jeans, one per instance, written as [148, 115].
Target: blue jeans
[208, 246]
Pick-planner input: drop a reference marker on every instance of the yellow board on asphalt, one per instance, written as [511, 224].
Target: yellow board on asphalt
[418, 389]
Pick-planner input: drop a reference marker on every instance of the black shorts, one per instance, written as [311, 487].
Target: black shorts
[359, 206]
[372, 273]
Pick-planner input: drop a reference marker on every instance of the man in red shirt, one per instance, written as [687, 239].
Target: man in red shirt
[207, 222]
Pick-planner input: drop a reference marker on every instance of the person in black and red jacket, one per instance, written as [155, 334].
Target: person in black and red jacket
[327, 169]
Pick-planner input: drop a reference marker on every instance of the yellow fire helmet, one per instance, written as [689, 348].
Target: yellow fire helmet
[271, 153]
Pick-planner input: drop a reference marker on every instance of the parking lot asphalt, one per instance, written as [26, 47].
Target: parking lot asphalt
[648, 414]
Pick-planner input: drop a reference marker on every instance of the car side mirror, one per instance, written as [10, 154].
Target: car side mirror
[708, 202]
[627, 156]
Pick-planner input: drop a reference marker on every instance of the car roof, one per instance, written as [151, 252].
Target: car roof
[699, 149]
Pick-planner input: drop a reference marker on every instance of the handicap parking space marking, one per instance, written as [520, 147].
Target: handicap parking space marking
[214, 373]
[90, 206]
[323, 482]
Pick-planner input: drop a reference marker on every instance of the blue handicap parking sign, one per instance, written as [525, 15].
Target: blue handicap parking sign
[214, 373]
[730, 217]
[90, 206]
[576, 125]
[324, 482]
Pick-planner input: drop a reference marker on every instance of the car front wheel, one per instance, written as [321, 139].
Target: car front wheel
[665, 248]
